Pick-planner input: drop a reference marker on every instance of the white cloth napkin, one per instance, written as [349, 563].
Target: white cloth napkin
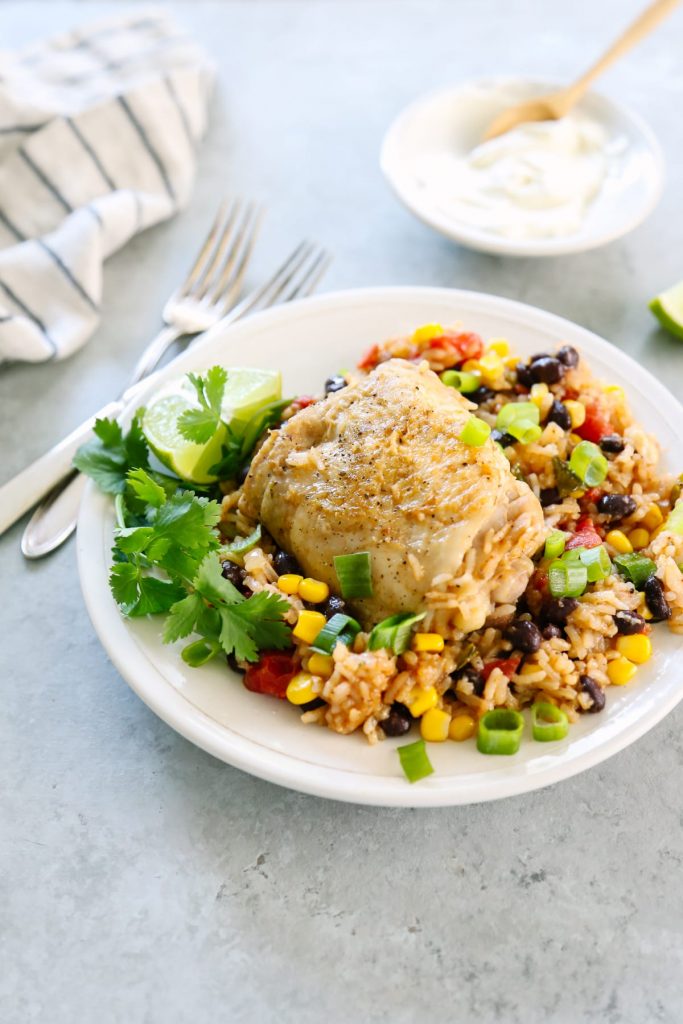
[98, 134]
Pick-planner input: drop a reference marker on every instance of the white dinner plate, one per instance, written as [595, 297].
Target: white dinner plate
[450, 123]
[310, 340]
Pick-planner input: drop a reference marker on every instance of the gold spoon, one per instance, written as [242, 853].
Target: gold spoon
[557, 104]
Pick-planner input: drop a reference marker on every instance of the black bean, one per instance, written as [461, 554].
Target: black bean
[549, 496]
[551, 630]
[616, 506]
[569, 356]
[524, 375]
[234, 573]
[503, 438]
[333, 606]
[595, 692]
[480, 395]
[556, 609]
[546, 370]
[335, 383]
[560, 414]
[232, 662]
[539, 355]
[398, 721]
[524, 636]
[285, 564]
[629, 622]
[472, 675]
[656, 602]
[312, 705]
[612, 443]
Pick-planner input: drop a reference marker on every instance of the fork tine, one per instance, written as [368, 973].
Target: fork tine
[255, 297]
[226, 288]
[290, 279]
[200, 262]
[309, 282]
[223, 243]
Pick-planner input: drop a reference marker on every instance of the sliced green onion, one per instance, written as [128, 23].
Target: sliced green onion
[674, 521]
[241, 545]
[460, 380]
[120, 509]
[524, 430]
[414, 761]
[565, 480]
[636, 568]
[588, 463]
[338, 628]
[475, 432]
[394, 633]
[266, 417]
[597, 562]
[513, 411]
[200, 651]
[353, 573]
[548, 722]
[555, 542]
[500, 732]
[567, 578]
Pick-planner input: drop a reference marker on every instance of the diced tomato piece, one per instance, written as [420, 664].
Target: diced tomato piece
[585, 535]
[370, 359]
[271, 674]
[596, 424]
[462, 345]
[508, 666]
[592, 494]
[303, 401]
[539, 580]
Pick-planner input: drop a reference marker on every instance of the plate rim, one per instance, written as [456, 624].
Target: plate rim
[279, 767]
[536, 248]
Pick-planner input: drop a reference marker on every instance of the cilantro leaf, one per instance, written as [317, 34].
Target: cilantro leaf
[210, 583]
[263, 613]
[235, 637]
[183, 618]
[145, 488]
[138, 594]
[110, 454]
[187, 521]
[199, 425]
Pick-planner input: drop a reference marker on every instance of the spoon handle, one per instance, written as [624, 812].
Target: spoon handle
[643, 24]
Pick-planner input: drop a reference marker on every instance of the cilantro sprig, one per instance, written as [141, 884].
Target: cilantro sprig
[199, 425]
[109, 456]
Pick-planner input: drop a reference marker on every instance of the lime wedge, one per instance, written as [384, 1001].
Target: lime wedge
[668, 308]
[246, 392]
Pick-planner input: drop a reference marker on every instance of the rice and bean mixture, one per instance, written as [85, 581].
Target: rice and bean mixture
[562, 650]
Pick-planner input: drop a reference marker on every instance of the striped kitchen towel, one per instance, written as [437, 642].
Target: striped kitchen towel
[98, 135]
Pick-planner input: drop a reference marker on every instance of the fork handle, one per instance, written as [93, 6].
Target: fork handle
[24, 490]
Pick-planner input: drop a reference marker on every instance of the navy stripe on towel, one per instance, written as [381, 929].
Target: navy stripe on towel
[148, 146]
[59, 262]
[92, 154]
[12, 228]
[27, 312]
[50, 186]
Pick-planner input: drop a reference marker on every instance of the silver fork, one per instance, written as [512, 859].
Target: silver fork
[297, 277]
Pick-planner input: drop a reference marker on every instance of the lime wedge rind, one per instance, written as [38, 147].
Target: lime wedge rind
[668, 308]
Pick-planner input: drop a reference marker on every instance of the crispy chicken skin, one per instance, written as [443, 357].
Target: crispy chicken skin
[379, 467]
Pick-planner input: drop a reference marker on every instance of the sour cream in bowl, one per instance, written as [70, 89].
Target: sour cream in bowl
[542, 189]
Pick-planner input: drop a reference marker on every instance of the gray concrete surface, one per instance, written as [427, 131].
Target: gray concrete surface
[143, 881]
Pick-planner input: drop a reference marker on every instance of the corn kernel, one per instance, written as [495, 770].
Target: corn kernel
[434, 725]
[637, 648]
[462, 727]
[614, 389]
[643, 609]
[575, 438]
[538, 394]
[426, 333]
[619, 541]
[421, 700]
[577, 412]
[510, 362]
[653, 518]
[490, 368]
[621, 671]
[301, 688]
[427, 642]
[472, 366]
[313, 591]
[308, 625]
[639, 539]
[321, 665]
[289, 583]
[501, 346]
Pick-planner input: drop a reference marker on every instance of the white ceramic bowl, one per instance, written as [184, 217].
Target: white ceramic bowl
[453, 121]
[309, 340]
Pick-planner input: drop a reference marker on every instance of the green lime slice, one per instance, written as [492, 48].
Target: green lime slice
[668, 308]
[246, 391]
